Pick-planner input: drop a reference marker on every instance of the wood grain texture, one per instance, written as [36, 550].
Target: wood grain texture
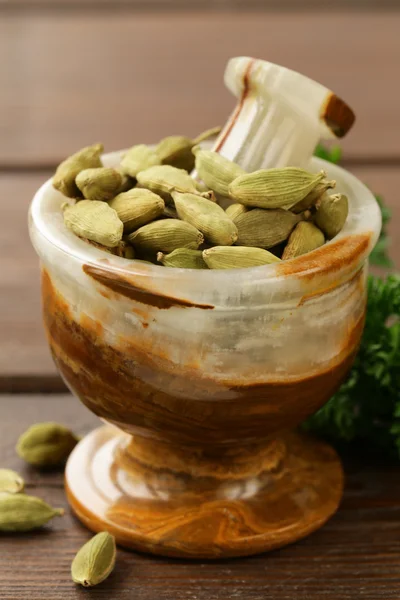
[220, 5]
[123, 77]
[356, 555]
[23, 347]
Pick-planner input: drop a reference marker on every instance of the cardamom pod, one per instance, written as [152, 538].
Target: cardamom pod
[46, 444]
[237, 257]
[139, 158]
[216, 171]
[125, 250]
[304, 238]
[183, 258]
[163, 179]
[176, 150]
[265, 228]
[165, 236]
[95, 560]
[127, 183]
[274, 188]
[94, 221]
[137, 207]
[207, 217]
[10, 482]
[312, 198]
[332, 214]
[20, 512]
[100, 183]
[64, 178]
[201, 187]
[236, 209]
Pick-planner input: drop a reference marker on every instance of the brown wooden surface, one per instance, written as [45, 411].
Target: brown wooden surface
[123, 77]
[221, 5]
[71, 74]
[356, 555]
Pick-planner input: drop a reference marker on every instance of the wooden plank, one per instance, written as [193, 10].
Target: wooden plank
[357, 554]
[226, 5]
[22, 338]
[25, 362]
[124, 77]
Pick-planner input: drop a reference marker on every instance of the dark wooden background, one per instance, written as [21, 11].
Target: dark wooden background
[124, 72]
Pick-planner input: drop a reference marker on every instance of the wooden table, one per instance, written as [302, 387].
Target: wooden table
[72, 74]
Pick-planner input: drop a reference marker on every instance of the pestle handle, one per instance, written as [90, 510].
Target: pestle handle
[280, 117]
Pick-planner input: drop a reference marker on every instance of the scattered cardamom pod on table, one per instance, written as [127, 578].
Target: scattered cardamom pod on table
[20, 512]
[11, 482]
[46, 444]
[95, 560]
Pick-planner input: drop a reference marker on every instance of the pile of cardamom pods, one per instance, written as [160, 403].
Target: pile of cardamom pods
[43, 446]
[151, 208]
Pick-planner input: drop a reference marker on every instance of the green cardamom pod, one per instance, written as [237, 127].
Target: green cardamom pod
[274, 188]
[208, 217]
[165, 236]
[46, 444]
[20, 512]
[235, 210]
[265, 228]
[124, 250]
[304, 238]
[94, 221]
[216, 171]
[10, 482]
[237, 257]
[138, 158]
[137, 207]
[312, 197]
[95, 560]
[202, 188]
[163, 179]
[332, 214]
[176, 150]
[67, 171]
[100, 183]
[183, 258]
[127, 183]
